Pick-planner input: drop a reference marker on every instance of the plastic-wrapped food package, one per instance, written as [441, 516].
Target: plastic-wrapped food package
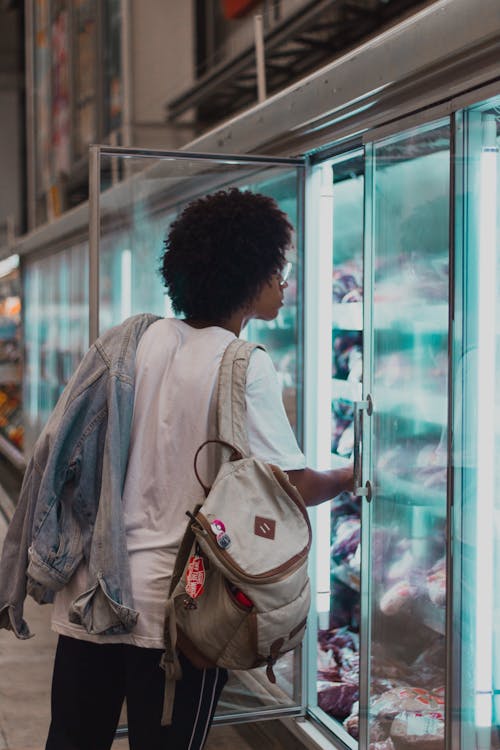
[347, 537]
[382, 745]
[338, 699]
[338, 639]
[344, 504]
[347, 355]
[349, 665]
[402, 565]
[436, 583]
[398, 596]
[418, 731]
[341, 668]
[351, 724]
[346, 284]
[344, 607]
[345, 442]
[408, 700]
[329, 673]
[342, 416]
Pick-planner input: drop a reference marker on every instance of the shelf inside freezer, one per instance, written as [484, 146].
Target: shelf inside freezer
[406, 492]
[416, 405]
[415, 318]
[347, 389]
[347, 316]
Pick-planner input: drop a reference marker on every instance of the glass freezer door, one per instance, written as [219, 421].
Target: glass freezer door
[476, 442]
[128, 225]
[404, 519]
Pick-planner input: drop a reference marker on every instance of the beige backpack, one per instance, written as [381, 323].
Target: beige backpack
[240, 592]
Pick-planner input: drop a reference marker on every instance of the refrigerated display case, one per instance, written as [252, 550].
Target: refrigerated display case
[11, 419]
[55, 329]
[378, 624]
[476, 432]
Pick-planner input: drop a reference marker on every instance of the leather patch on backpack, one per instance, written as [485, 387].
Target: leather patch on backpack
[265, 527]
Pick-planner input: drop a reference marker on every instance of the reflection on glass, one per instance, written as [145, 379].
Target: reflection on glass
[410, 328]
[477, 436]
[55, 319]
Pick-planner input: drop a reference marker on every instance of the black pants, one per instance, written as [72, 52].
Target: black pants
[91, 681]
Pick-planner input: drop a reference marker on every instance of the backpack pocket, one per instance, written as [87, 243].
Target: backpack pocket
[266, 635]
[235, 634]
[216, 618]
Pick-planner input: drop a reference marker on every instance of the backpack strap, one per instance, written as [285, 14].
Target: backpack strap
[231, 392]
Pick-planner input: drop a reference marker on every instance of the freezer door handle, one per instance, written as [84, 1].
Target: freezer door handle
[359, 407]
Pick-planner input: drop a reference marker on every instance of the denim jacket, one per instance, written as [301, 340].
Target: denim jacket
[69, 508]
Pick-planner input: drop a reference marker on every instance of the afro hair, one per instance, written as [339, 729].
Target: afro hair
[220, 250]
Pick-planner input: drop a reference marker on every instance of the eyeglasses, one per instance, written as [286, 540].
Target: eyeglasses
[284, 273]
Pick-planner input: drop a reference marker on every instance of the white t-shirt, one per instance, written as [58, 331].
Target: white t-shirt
[174, 412]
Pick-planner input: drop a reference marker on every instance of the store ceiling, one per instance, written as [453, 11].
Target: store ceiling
[303, 43]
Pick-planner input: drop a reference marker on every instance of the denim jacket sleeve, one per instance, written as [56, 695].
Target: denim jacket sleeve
[35, 539]
[14, 561]
[70, 504]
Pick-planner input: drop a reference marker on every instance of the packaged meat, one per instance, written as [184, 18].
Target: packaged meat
[401, 567]
[349, 665]
[337, 639]
[436, 583]
[344, 504]
[346, 286]
[330, 673]
[338, 699]
[344, 608]
[419, 731]
[382, 745]
[351, 724]
[342, 416]
[397, 596]
[379, 730]
[408, 700]
[345, 443]
[347, 537]
[346, 351]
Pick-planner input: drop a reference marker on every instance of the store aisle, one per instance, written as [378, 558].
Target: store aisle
[25, 667]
